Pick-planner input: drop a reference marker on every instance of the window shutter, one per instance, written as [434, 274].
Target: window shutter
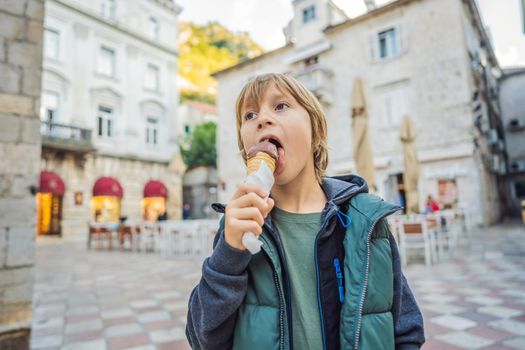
[372, 43]
[402, 39]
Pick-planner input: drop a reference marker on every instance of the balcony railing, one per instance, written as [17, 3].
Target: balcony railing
[317, 79]
[66, 137]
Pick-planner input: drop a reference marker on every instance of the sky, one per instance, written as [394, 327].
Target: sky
[264, 20]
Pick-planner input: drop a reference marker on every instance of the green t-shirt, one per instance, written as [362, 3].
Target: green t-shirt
[298, 232]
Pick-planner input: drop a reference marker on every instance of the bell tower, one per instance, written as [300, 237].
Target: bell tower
[309, 20]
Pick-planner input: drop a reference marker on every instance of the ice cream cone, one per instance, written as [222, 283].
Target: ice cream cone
[254, 162]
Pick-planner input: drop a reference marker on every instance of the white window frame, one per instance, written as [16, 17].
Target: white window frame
[399, 42]
[152, 131]
[394, 108]
[106, 52]
[152, 77]
[391, 41]
[309, 14]
[45, 106]
[56, 49]
[154, 28]
[108, 9]
[105, 122]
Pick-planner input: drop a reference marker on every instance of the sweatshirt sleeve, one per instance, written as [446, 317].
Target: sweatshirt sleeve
[408, 320]
[214, 302]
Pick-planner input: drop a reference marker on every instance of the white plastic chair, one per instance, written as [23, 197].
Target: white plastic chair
[149, 237]
[415, 235]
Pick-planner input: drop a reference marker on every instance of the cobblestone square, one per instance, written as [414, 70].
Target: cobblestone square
[99, 299]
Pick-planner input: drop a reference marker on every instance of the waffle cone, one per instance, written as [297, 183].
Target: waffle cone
[254, 162]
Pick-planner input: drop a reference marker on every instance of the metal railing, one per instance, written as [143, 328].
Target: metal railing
[65, 134]
[315, 77]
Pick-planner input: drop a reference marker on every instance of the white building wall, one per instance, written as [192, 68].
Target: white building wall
[75, 77]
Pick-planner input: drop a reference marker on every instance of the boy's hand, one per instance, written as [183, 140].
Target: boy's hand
[245, 213]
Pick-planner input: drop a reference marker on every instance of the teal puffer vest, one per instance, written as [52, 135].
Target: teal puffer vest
[366, 318]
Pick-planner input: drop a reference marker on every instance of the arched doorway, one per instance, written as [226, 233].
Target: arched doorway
[49, 204]
[105, 203]
[154, 202]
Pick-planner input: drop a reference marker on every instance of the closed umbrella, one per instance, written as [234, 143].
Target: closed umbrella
[361, 138]
[411, 174]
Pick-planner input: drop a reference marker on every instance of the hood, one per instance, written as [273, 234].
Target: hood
[338, 190]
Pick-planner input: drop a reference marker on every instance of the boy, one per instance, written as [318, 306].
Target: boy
[328, 275]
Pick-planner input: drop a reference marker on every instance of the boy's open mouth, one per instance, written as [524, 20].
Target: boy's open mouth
[280, 150]
[274, 141]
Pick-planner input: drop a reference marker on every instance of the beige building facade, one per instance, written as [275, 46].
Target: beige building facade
[108, 113]
[428, 59]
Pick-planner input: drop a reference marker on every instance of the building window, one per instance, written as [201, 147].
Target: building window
[151, 81]
[390, 119]
[51, 43]
[105, 122]
[388, 43]
[394, 108]
[108, 8]
[311, 62]
[309, 14]
[49, 107]
[106, 61]
[153, 28]
[152, 131]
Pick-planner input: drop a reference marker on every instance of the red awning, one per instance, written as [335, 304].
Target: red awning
[107, 186]
[51, 183]
[155, 189]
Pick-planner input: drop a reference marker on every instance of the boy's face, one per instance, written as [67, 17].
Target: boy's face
[282, 117]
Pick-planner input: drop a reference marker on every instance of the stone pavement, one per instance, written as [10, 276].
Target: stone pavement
[119, 300]
[476, 300]
[109, 299]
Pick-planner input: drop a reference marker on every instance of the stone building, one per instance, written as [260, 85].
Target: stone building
[193, 113]
[200, 192]
[21, 24]
[108, 114]
[429, 59]
[512, 95]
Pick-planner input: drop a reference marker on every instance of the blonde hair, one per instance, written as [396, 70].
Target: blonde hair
[253, 92]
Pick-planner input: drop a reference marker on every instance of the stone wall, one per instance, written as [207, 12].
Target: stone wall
[430, 78]
[21, 23]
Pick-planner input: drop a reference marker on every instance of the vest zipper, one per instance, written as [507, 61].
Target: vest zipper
[325, 223]
[286, 295]
[281, 310]
[339, 277]
[367, 267]
[279, 292]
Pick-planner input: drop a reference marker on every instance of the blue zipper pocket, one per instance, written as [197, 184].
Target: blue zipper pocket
[339, 277]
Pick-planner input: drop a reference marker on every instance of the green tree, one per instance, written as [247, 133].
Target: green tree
[201, 150]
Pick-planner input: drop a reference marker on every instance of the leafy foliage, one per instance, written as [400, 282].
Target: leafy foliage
[201, 150]
[205, 49]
